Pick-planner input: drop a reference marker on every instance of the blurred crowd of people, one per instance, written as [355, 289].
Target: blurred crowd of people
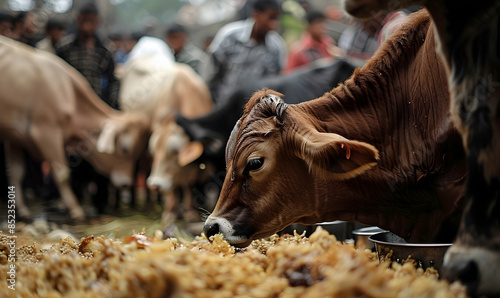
[241, 51]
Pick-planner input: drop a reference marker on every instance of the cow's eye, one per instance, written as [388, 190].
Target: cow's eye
[252, 165]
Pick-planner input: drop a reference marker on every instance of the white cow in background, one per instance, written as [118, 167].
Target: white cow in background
[158, 87]
[49, 109]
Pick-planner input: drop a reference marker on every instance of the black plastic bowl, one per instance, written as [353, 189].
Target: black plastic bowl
[425, 254]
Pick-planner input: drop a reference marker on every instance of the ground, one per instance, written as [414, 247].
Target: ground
[51, 221]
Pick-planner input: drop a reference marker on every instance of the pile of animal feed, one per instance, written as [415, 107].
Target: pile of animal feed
[141, 266]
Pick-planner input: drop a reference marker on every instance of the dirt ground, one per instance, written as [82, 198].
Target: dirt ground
[51, 221]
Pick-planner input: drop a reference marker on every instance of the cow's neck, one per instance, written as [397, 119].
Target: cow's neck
[403, 110]
[91, 113]
[398, 102]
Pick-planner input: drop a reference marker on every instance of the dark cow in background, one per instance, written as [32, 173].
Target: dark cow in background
[469, 38]
[380, 149]
[213, 130]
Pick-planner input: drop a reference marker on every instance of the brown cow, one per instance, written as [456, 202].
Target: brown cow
[380, 149]
[48, 107]
[469, 38]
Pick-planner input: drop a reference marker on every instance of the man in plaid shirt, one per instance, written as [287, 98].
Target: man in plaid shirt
[86, 52]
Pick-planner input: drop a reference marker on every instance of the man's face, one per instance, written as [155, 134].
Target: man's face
[128, 44]
[266, 20]
[87, 24]
[176, 41]
[56, 34]
[317, 28]
[6, 29]
[30, 26]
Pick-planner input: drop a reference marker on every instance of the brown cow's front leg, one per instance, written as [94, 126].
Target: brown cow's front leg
[52, 149]
[14, 161]
[61, 174]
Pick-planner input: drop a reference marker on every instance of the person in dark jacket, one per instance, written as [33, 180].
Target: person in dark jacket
[86, 52]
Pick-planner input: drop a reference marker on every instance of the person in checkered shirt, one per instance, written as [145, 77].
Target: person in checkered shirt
[86, 52]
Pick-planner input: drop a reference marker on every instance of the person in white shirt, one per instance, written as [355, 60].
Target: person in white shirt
[246, 50]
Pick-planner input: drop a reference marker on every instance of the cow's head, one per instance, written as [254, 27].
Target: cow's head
[173, 155]
[273, 160]
[120, 143]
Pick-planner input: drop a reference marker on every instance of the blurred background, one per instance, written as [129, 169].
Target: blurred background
[201, 17]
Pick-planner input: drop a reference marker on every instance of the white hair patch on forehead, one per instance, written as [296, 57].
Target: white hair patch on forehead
[276, 102]
[271, 99]
[175, 142]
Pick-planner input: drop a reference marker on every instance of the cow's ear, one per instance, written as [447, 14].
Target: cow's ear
[106, 142]
[337, 155]
[189, 153]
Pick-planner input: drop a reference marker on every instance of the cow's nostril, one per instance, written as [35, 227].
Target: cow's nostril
[211, 229]
[466, 272]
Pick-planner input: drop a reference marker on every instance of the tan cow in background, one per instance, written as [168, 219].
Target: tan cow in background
[159, 88]
[48, 108]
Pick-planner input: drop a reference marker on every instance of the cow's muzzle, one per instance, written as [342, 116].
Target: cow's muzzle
[475, 267]
[159, 184]
[217, 225]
